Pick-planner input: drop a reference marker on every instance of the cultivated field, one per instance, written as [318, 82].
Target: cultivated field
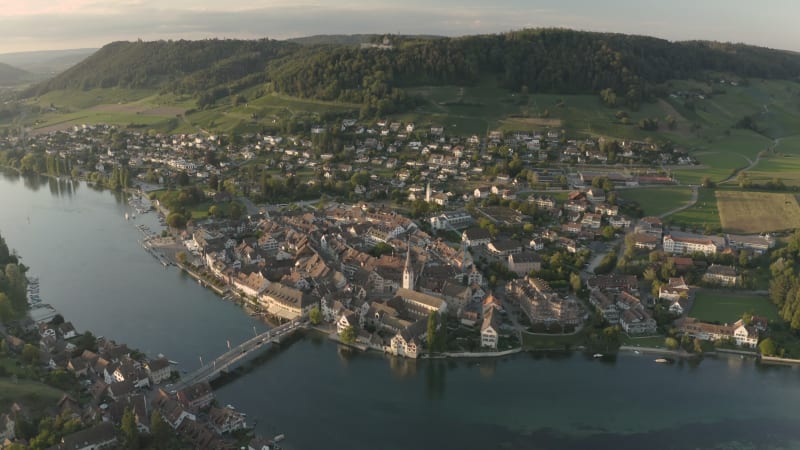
[727, 307]
[755, 212]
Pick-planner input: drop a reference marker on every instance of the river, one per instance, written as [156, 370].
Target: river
[92, 269]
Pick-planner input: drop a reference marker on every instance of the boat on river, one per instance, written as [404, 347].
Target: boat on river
[664, 361]
[597, 355]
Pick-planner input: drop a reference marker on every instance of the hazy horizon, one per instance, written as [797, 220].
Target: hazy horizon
[36, 25]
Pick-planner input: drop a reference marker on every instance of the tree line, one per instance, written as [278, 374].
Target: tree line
[13, 285]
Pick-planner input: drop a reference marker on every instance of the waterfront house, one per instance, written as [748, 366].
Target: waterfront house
[225, 420]
[251, 284]
[406, 342]
[285, 301]
[347, 319]
[490, 329]
[746, 336]
[158, 369]
[196, 396]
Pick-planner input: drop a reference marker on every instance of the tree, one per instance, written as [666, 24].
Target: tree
[30, 353]
[348, 335]
[671, 343]
[433, 327]
[698, 346]
[86, 341]
[129, 430]
[176, 220]
[575, 281]
[159, 430]
[315, 315]
[767, 347]
[181, 257]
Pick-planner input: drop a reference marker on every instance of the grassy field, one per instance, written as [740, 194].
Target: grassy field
[728, 307]
[657, 201]
[31, 394]
[647, 341]
[549, 342]
[704, 214]
[754, 212]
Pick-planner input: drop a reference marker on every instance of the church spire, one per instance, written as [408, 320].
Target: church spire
[408, 271]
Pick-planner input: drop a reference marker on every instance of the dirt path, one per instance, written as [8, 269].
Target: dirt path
[681, 208]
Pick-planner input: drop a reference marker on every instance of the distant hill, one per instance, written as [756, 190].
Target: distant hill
[48, 62]
[626, 69]
[10, 75]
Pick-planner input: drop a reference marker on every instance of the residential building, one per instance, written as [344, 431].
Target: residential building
[159, 370]
[475, 236]
[490, 329]
[689, 244]
[723, 275]
[737, 332]
[196, 396]
[98, 437]
[675, 289]
[523, 263]
[285, 301]
[225, 420]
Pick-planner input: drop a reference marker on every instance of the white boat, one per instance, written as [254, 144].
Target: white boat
[663, 361]
[279, 438]
[597, 355]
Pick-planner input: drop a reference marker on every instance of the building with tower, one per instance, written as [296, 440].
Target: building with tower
[408, 272]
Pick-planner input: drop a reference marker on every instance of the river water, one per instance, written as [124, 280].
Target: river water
[92, 269]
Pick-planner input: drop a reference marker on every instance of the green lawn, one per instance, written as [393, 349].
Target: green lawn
[657, 201]
[539, 342]
[31, 394]
[700, 216]
[727, 307]
[648, 341]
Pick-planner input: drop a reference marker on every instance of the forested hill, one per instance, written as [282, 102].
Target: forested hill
[184, 65]
[540, 60]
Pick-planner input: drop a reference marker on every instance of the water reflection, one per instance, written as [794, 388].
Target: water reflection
[402, 367]
[435, 375]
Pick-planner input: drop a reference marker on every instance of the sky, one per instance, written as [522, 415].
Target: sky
[27, 25]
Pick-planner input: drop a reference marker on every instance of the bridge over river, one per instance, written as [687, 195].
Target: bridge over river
[211, 370]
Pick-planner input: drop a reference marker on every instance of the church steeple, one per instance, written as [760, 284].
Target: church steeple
[408, 271]
[428, 193]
